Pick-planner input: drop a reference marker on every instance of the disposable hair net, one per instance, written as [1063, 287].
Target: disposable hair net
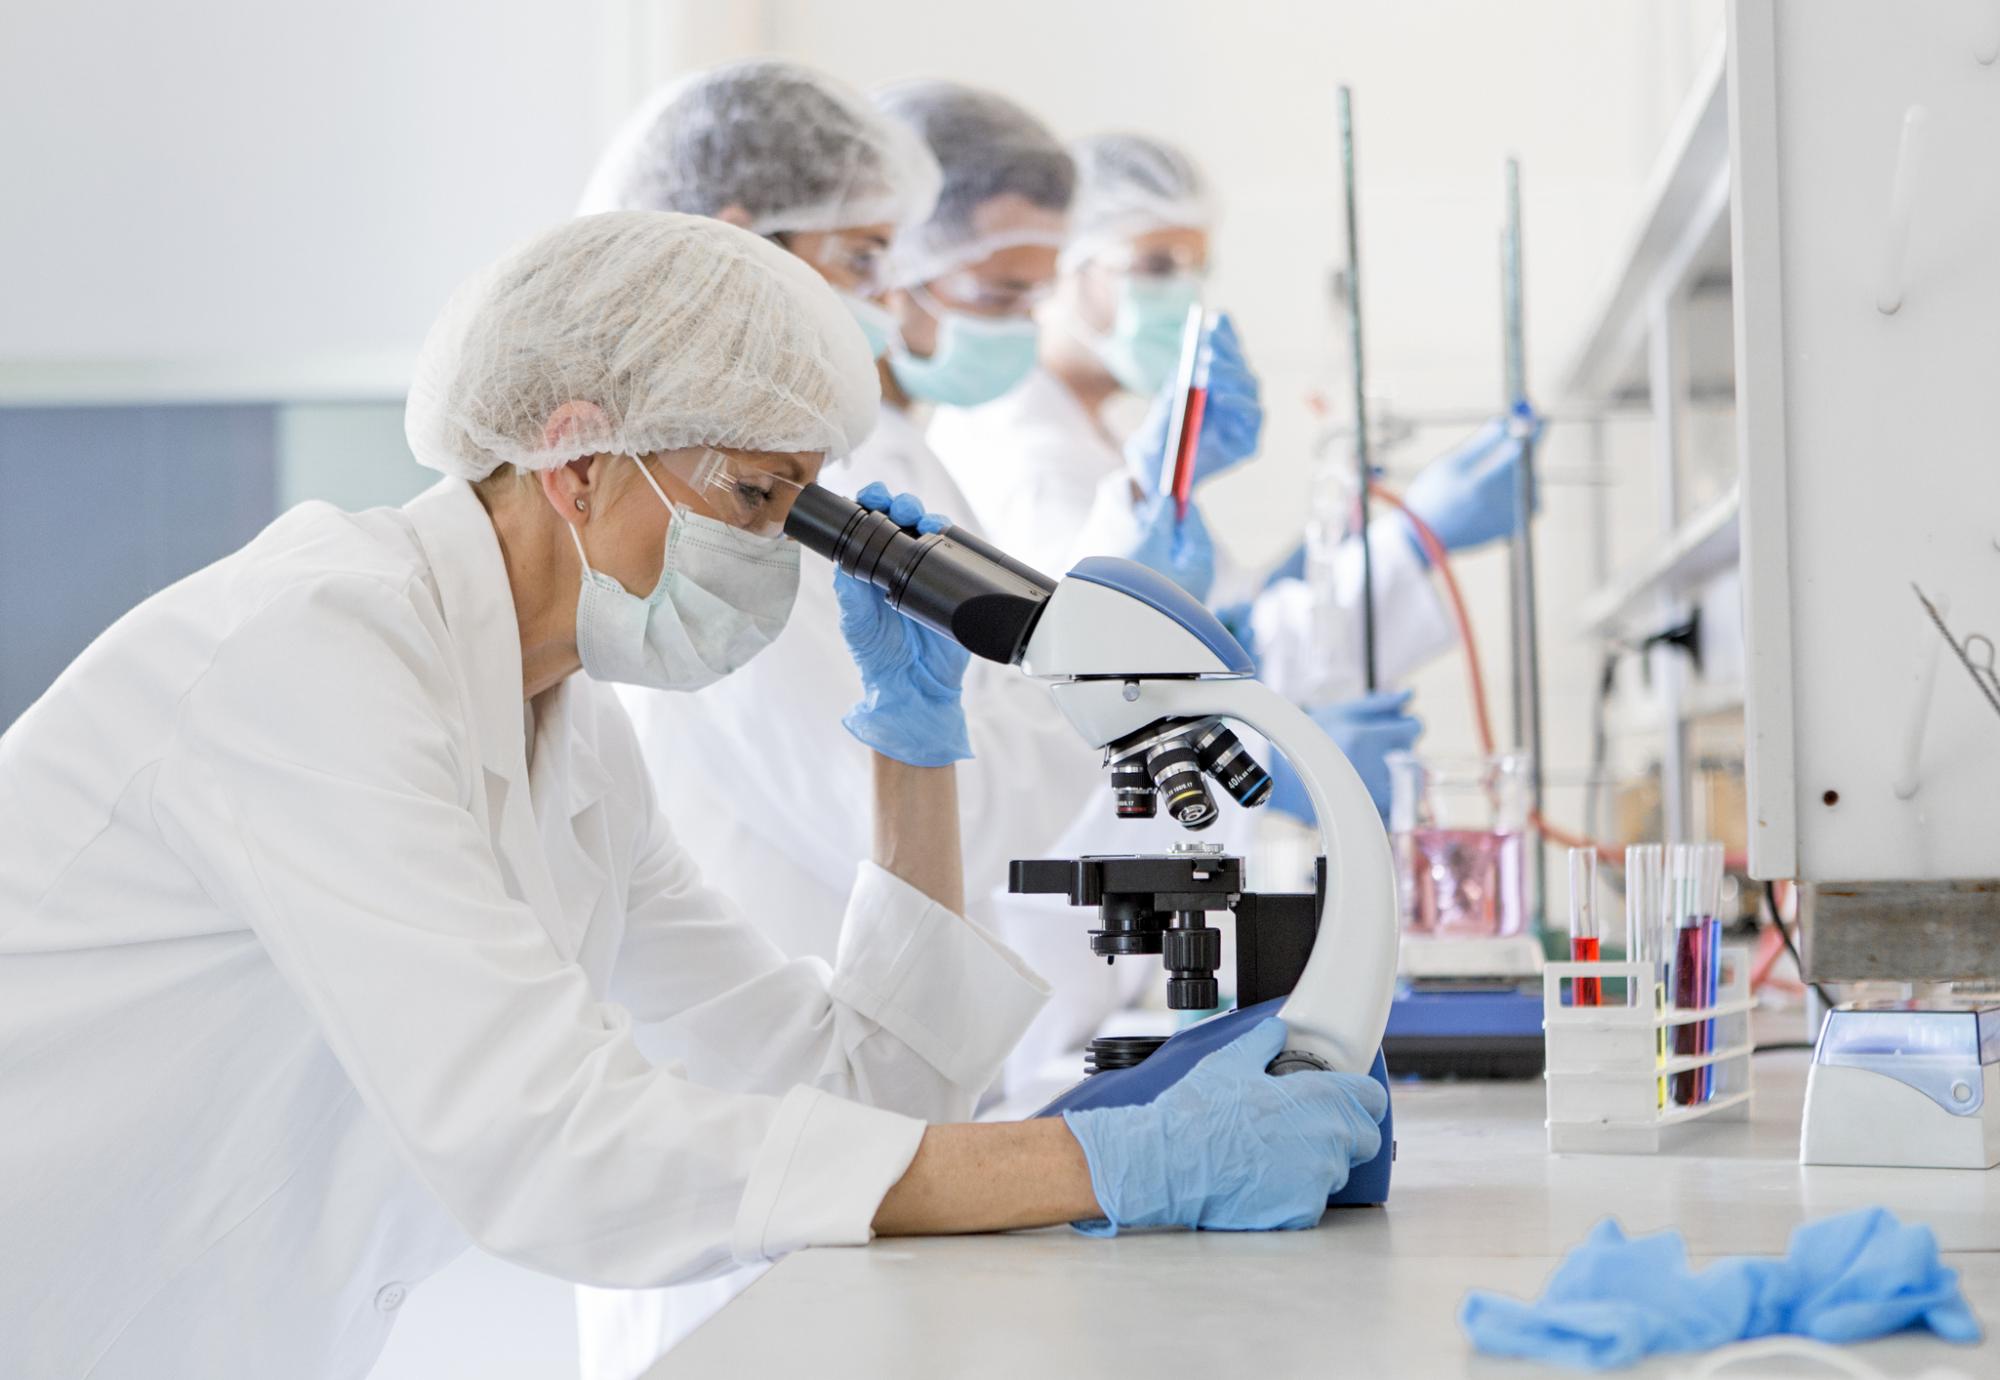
[1129, 185]
[987, 147]
[676, 331]
[796, 149]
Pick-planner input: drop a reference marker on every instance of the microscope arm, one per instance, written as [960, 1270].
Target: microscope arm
[1341, 1005]
[1122, 648]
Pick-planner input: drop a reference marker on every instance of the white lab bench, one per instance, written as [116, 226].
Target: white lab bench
[1477, 1202]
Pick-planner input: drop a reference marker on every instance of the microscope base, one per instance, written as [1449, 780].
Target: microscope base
[1367, 1183]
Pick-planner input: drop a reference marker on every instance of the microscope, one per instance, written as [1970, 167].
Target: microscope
[1150, 677]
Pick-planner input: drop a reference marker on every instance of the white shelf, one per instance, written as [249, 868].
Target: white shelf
[1636, 714]
[1700, 549]
[1681, 240]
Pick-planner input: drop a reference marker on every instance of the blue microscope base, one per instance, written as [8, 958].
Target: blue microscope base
[1135, 1086]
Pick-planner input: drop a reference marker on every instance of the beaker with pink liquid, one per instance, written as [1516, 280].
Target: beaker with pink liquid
[1459, 826]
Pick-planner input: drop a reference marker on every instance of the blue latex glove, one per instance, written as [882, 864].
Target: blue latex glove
[1181, 551]
[1367, 730]
[1613, 1300]
[1230, 425]
[1230, 1147]
[910, 677]
[1467, 497]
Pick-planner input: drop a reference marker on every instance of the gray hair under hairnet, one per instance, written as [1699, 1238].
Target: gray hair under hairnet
[987, 147]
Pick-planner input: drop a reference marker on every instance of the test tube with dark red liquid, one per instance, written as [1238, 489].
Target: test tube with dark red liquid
[1689, 980]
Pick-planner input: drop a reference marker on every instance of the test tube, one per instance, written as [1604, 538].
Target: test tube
[1689, 941]
[1584, 938]
[1711, 911]
[1642, 900]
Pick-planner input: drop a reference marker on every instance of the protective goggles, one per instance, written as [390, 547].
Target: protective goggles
[737, 492]
[1158, 261]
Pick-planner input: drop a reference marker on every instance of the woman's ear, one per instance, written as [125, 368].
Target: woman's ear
[570, 490]
[915, 325]
[734, 214]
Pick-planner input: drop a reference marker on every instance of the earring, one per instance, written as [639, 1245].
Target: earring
[579, 505]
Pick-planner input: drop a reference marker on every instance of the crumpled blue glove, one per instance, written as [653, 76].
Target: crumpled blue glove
[1367, 730]
[1614, 1300]
[1181, 551]
[1467, 496]
[1230, 424]
[910, 676]
[1230, 1147]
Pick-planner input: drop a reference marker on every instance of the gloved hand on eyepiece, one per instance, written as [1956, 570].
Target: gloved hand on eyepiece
[1181, 551]
[1231, 1147]
[910, 676]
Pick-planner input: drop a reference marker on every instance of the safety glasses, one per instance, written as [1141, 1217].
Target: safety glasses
[740, 493]
[1158, 261]
[967, 291]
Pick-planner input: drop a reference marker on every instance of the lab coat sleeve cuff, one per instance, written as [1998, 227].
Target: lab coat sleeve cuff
[1426, 629]
[820, 1175]
[944, 986]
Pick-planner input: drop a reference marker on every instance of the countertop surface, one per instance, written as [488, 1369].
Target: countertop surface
[1477, 1202]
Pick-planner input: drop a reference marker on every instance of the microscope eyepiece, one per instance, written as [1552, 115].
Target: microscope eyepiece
[951, 582]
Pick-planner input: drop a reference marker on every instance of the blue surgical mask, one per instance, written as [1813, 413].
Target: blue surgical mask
[1143, 347]
[976, 359]
[877, 322]
[723, 595]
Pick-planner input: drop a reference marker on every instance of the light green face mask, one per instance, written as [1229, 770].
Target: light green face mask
[876, 322]
[1143, 347]
[976, 359]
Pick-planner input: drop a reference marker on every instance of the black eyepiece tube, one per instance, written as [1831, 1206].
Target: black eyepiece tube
[949, 581]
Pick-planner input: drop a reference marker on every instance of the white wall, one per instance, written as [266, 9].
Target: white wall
[232, 197]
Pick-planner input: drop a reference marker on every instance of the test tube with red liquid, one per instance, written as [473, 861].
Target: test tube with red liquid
[1184, 426]
[1585, 939]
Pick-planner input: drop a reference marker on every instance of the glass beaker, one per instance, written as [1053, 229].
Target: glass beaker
[1459, 826]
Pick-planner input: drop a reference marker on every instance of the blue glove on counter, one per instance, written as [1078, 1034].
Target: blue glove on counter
[910, 677]
[1230, 424]
[1230, 1147]
[1367, 730]
[1613, 1300]
[1181, 551]
[1467, 497]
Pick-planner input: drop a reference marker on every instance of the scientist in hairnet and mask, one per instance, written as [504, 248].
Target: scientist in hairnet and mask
[329, 892]
[1050, 479]
[972, 189]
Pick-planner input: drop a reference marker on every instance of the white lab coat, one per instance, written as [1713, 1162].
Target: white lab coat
[763, 753]
[313, 970]
[1048, 483]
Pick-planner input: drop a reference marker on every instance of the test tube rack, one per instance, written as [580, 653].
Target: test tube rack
[1610, 1068]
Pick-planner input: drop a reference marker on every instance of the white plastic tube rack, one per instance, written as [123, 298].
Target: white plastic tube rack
[1611, 1067]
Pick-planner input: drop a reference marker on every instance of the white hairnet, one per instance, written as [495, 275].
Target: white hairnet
[1129, 185]
[677, 331]
[988, 147]
[794, 148]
